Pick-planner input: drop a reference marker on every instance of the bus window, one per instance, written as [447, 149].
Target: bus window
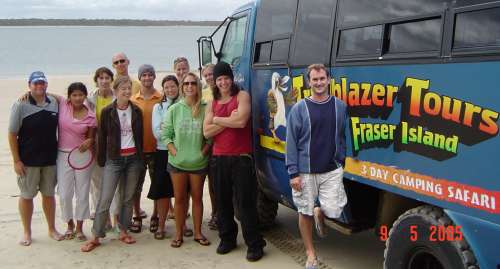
[274, 26]
[263, 52]
[479, 28]
[416, 36]
[279, 52]
[364, 41]
[275, 18]
[313, 31]
[234, 40]
[368, 11]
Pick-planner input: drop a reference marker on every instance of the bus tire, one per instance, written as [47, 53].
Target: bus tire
[267, 210]
[415, 241]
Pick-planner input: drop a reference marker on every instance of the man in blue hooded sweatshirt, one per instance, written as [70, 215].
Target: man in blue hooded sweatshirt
[315, 156]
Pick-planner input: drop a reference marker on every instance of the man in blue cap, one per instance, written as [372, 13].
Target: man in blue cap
[33, 144]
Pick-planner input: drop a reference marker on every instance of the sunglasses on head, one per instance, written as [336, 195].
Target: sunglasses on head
[186, 83]
[121, 61]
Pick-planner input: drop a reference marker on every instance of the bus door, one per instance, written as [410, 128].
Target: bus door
[270, 85]
[235, 48]
[289, 35]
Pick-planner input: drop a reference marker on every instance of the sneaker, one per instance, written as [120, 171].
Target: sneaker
[225, 248]
[254, 254]
[319, 222]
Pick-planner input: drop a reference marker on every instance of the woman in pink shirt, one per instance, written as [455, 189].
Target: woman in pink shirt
[77, 125]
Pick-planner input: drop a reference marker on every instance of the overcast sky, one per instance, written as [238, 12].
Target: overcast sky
[119, 9]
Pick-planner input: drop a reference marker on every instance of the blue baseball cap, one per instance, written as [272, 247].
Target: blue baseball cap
[37, 76]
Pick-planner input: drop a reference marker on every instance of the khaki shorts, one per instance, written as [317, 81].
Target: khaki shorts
[41, 179]
[328, 188]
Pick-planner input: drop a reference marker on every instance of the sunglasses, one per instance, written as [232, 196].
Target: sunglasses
[186, 83]
[122, 61]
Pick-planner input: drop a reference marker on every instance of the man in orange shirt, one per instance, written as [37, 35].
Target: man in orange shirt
[145, 99]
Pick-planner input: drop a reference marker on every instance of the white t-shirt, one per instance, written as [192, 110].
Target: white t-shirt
[127, 136]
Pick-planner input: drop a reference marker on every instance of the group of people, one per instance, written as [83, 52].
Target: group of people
[180, 135]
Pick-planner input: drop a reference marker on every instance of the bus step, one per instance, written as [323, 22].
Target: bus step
[347, 229]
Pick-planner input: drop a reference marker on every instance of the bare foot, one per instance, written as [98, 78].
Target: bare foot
[26, 241]
[56, 236]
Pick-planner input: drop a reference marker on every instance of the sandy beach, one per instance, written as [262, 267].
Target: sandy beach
[146, 253]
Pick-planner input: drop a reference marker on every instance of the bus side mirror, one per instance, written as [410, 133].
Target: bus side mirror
[206, 52]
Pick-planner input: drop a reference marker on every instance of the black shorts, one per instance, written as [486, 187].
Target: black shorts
[161, 183]
[173, 169]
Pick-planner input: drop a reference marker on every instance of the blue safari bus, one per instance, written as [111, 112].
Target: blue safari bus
[421, 79]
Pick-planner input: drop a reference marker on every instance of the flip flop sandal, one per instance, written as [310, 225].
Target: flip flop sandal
[127, 239]
[25, 242]
[136, 226]
[69, 235]
[153, 224]
[170, 216]
[159, 235]
[212, 223]
[188, 232]
[81, 237]
[312, 265]
[202, 241]
[319, 224]
[89, 246]
[176, 243]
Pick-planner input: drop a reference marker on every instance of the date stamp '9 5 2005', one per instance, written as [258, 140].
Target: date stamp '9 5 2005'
[432, 233]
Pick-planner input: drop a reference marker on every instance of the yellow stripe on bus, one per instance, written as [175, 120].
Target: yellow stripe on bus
[269, 143]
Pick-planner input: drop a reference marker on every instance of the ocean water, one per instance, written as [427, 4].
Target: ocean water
[75, 50]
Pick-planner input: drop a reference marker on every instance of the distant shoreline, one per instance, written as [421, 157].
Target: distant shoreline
[102, 22]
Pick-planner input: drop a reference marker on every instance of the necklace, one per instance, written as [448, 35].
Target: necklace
[122, 107]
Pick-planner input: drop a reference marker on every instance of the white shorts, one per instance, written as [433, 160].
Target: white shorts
[327, 187]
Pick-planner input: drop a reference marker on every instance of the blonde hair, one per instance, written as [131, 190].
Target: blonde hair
[179, 60]
[197, 103]
[121, 80]
[206, 67]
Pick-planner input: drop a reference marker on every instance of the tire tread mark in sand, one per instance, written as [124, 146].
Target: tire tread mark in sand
[288, 244]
